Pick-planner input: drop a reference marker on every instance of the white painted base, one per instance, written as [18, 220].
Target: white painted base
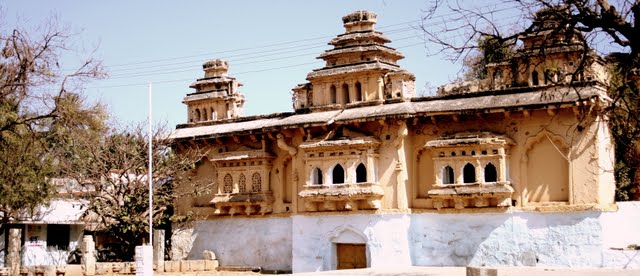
[263, 242]
[144, 260]
[305, 243]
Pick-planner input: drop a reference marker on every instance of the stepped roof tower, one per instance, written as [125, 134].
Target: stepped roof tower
[359, 70]
[217, 95]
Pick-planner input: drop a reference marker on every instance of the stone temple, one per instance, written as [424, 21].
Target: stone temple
[514, 169]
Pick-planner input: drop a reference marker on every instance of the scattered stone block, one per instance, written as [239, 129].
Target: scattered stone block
[172, 266]
[103, 268]
[197, 265]
[211, 265]
[209, 255]
[481, 271]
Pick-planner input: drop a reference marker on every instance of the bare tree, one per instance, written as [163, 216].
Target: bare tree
[41, 111]
[607, 28]
[115, 175]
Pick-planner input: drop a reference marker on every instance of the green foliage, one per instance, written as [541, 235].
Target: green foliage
[624, 122]
[40, 117]
[490, 49]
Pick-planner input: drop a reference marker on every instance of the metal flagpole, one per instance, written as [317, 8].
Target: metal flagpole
[150, 169]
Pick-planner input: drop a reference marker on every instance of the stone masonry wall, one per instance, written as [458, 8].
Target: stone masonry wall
[304, 243]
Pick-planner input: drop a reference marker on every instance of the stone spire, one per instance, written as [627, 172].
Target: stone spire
[217, 96]
[360, 68]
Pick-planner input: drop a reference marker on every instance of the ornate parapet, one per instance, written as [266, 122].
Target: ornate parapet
[472, 195]
[342, 197]
[242, 203]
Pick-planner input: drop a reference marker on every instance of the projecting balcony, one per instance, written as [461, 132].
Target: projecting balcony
[495, 194]
[242, 203]
[342, 197]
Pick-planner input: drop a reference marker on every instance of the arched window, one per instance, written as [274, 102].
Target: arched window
[256, 182]
[497, 76]
[490, 173]
[333, 94]
[447, 175]
[214, 114]
[361, 173]
[359, 92]
[205, 116]
[316, 176]
[547, 76]
[338, 174]
[534, 78]
[345, 93]
[228, 184]
[197, 115]
[469, 173]
[242, 184]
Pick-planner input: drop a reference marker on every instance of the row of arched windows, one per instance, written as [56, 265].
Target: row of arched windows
[344, 96]
[338, 175]
[256, 183]
[204, 115]
[469, 174]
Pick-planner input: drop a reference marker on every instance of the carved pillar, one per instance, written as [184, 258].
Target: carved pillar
[13, 255]
[479, 172]
[401, 166]
[371, 165]
[158, 250]
[88, 248]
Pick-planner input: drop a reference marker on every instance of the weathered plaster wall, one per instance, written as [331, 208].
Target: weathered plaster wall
[515, 238]
[264, 242]
[386, 237]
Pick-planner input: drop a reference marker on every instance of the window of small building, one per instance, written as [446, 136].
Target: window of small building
[345, 93]
[256, 182]
[469, 173]
[228, 184]
[242, 183]
[359, 92]
[316, 176]
[447, 175]
[534, 78]
[58, 236]
[197, 115]
[361, 173]
[338, 174]
[490, 173]
[333, 94]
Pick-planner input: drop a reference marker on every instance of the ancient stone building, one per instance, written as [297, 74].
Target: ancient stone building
[364, 173]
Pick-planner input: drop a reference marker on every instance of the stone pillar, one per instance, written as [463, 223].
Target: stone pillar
[88, 248]
[158, 250]
[13, 255]
[144, 260]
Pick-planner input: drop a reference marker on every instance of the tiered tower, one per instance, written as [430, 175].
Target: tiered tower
[359, 69]
[217, 96]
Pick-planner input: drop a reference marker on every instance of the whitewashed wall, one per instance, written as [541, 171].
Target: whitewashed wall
[264, 242]
[305, 243]
[386, 237]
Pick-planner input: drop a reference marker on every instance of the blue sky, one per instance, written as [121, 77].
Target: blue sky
[270, 46]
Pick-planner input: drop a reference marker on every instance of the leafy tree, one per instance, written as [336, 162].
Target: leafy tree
[491, 49]
[41, 112]
[616, 24]
[115, 175]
